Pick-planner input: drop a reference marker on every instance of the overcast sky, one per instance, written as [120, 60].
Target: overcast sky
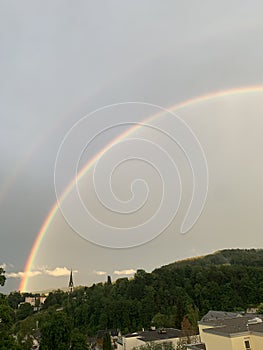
[61, 60]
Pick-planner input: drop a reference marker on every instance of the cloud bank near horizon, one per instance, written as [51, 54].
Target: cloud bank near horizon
[56, 272]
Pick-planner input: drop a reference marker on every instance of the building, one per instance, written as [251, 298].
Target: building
[35, 301]
[158, 336]
[155, 335]
[231, 331]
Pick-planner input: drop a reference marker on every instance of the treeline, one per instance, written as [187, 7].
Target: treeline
[227, 280]
[230, 280]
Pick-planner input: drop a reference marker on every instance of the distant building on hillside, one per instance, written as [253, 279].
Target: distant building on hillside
[36, 302]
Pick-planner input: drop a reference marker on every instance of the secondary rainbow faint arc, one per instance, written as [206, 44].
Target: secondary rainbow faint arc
[86, 168]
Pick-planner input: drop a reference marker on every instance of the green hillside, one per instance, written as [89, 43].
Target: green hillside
[248, 257]
[229, 280]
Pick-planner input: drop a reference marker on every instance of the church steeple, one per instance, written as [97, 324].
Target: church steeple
[71, 284]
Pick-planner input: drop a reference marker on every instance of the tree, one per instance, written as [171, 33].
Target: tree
[78, 340]
[55, 332]
[25, 331]
[6, 317]
[55, 298]
[6, 327]
[2, 276]
[160, 320]
[193, 316]
[6, 320]
[107, 341]
[187, 329]
[14, 299]
[24, 311]
[8, 342]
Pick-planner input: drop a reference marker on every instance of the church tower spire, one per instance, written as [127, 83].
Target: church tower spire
[71, 284]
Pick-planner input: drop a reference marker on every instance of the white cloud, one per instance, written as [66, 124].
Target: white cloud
[125, 272]
[57, 272]
[22, 274]
[100, 273]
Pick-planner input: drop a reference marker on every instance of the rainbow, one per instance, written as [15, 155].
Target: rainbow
[44, 228]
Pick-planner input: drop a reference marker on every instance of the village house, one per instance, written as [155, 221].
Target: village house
[162, 335]
[231, 331]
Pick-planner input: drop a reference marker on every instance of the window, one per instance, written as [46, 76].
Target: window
[247, 345]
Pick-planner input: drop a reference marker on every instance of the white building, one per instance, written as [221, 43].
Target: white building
[130, 341]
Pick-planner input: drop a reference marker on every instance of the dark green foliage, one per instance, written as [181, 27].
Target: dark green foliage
[78, 340]
[8, 342]
[2, 276]
[25, 331]
[54, 299]
[55, 332]
[24, 311]
[6, 314]
[185, 288]
[7, 317]
[107, 342]
[14, 299]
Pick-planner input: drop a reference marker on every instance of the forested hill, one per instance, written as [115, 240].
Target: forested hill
[226, 280]
[229, 280]
[247, 257]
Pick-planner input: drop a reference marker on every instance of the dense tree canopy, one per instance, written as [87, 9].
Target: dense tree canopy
[55, 332]
[107, 342]
[2, 276]
[176, 295]
[24, 311]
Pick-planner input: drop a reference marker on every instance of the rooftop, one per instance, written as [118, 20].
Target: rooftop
[219, 315]
[230, 326]
[199, 346]
[158, 334]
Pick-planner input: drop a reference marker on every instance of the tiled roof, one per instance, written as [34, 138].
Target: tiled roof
[169, 333]
[218, 315]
